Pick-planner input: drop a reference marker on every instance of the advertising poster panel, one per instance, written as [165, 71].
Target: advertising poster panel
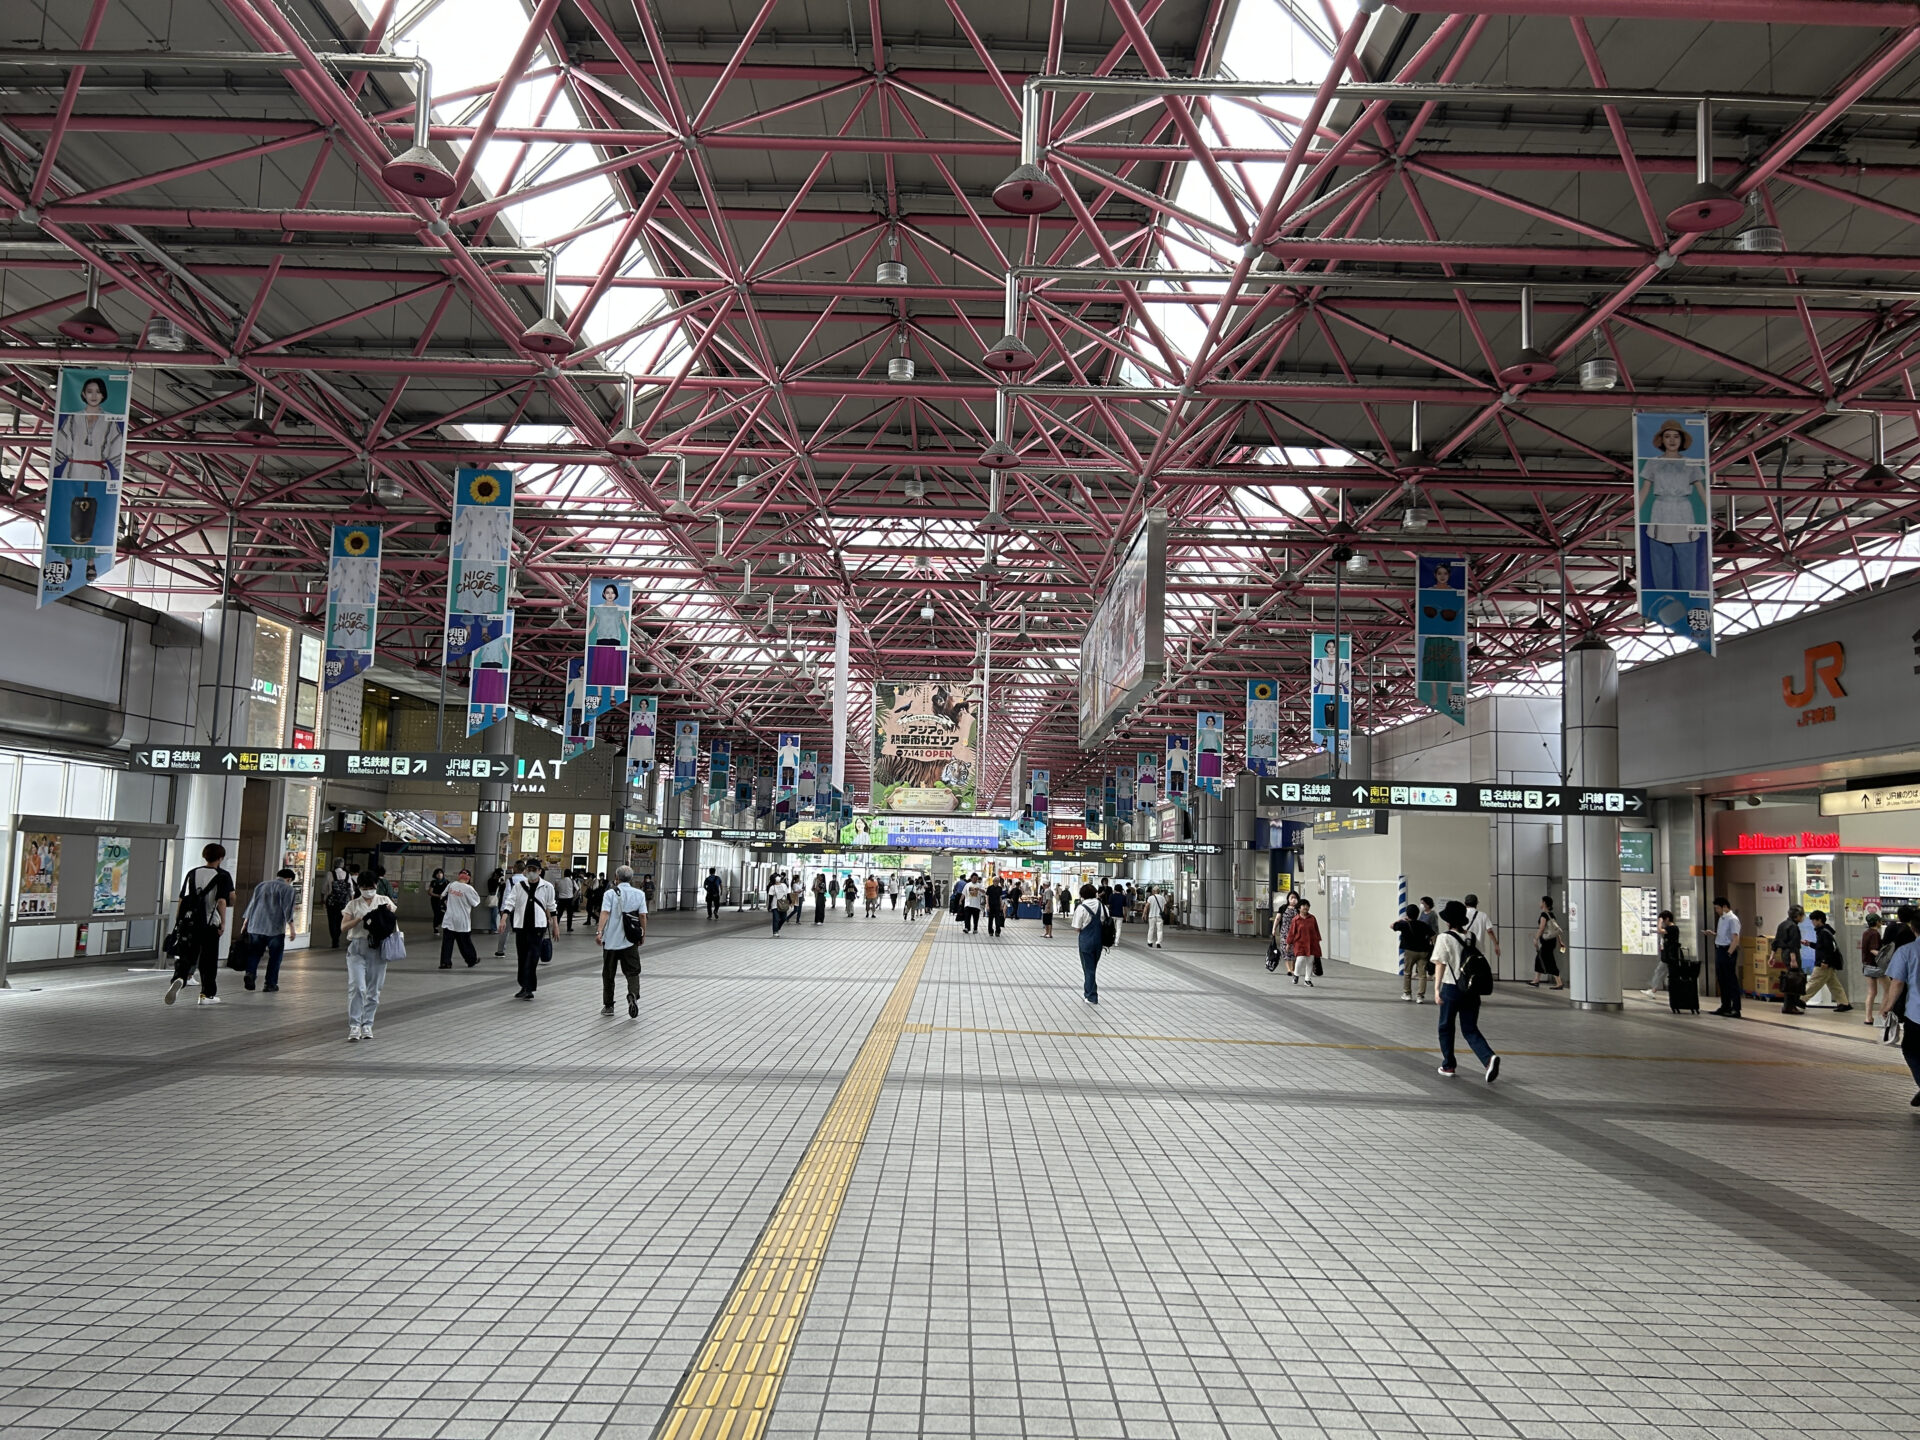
[353, 603]
[111, 856]
[1090, 811]
[1179, 758]
[1331, 679]
[925, 746]
[1263, 727]
[1209, 757]
[1146, 778]
[1123, 783]
[719, 769]
[609, 642]
[578, 733]
[86, 467]
[1673, 497]
[1042, 793]
[39, 876]
[1440, 634]
[807, 792]
[643, 727]
[489, 679]
[686, 756]
[480, 560]
[1123, 653]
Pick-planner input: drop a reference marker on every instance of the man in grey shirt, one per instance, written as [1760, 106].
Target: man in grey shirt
[269, 916]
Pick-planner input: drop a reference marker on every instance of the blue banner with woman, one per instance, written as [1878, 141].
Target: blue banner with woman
[1672, 489]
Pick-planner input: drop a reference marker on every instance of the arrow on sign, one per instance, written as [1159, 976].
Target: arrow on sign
[1633, 802]
[229, 760]
[1360, 793]
[419, 767]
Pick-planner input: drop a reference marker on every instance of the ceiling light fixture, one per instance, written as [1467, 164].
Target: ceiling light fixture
[1529, 367]
[417, 171]
[1878, 478]
[547, 335]
[89, 324]
[900, 367]
[1599, 372]
[1708, 207]
[164, 333]
[257, 430]
[626, 441]
[891, 271]
[1027, 191]
[1759, 236]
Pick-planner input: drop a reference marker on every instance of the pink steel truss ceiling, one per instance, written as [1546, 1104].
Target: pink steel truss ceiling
[1241, 294]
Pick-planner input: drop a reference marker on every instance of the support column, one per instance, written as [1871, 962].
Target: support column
[1249, 866]
[212, 810]
[1590, 733]
[492, 831]
[1213, 825]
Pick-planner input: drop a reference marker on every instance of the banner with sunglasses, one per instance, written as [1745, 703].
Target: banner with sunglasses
[1440, 634]
[1042, 782]
[480, 551]
[1210, 733]
[353, 603]
[1331, 677]
[609, 638]
[1179, 762]
[642, 730]
[489, 679]
[578, 735]
[686, 756]
[84, 474]
[1672, 500]
[1263, 727]
[1146, 779]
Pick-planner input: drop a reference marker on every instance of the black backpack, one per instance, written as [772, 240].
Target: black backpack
[193, 922]
[1475, 975]
[1826, 947]
[1109, 932]
[380, 923]
[633, 924]
[341, 891]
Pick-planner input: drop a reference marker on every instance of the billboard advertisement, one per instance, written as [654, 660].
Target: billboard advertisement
[1331, 678]
[1209, 754]
[85, 472]
[1146, 778]
[1440, 634]
[925, 746]
[1263, 727]
[480, 560]
[609, 638]
[686, 756]
[641, 734]
[1179, 758]
[489, 678]
[1123, 654]
[1042, 793]
[353, 602]
[1672, 491]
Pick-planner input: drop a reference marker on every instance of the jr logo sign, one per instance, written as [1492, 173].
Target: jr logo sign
[1821, 668]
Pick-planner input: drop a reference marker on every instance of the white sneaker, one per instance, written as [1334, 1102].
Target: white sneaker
[353, 1033]
[366, 1032]
[1649, 992]
[209, 999]
[173, 992]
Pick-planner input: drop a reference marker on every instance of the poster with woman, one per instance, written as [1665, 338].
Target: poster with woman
[1672, 486]
[609, 636]
[1146, 778]
[1210, 732]
[489, 679]
[1331, 676]
[111, 854]
[39, 877]
[1179, 760]
[86, 466]
[686, 756]
[925, 746]
[1440, 634]
[644, 726]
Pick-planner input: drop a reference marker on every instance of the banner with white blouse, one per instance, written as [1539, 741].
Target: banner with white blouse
[1123, 783]
[609, 642]
[1440, 634]
[353, 603]
[480, 563]
[807, 792]
[642, 728]
[1179, 758]
[686, 756]
[1042, 781]
[1146, 778]
[1331, 677]
[1263, 727]
[578, 734]
[490, 678]
[84, 473]
[1673, 498]
[1209, 739]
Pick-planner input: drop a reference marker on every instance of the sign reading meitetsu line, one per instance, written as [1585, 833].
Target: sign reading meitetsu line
[324, 764]
[1459, 799]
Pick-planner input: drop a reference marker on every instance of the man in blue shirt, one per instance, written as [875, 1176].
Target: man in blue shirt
[1726, 956]
[1903, 999]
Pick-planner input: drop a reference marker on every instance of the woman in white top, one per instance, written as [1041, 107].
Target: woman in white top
[1088, 921]
[366, 969]
[777, 894]
[972, 902]
[456, 925]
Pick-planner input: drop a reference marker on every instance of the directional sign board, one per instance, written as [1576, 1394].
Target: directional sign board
[321, 764]
[1469, 799]
[1119, 849]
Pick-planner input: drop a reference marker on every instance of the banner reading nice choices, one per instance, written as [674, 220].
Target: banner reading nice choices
[925, 746]
[86, 466]
[353, 603]
[1672, 488]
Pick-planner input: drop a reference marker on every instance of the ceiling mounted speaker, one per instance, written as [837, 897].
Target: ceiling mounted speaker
[1530, 366]
[1708, 207]
[1027, 191]
[548, 336]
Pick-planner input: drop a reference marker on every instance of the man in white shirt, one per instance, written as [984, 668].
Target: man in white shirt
[456, 926]
[1156, 917]
[777, 894]
[530, 905]
[893, 892]
[1479, 928]
[1903, 996]
[1726, 957]
[972, 901]
[565, 893]
[620, 901]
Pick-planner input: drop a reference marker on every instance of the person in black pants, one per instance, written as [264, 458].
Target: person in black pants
[713, 893]
[531, 905]
[1726, 957]
[204, 899]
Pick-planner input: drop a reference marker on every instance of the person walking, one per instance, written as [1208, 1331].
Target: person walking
[1829, 968]
[457, 922]
[1305, 939]
[1547, 935]
[1281, 935]
[339, 892]
[870, 896]
[711, 885]
[911, 911]
[620, 941]
[566, 898]
[1046, 911]
[846, 894]
[1785, 952]
[833, 892]
[820, 899]
[1429, 915]
[1903, 995]
[1877, 946]
[1461, 976]
[371, 919]
[265, 925]
[198, 924]
[972, 902]
[437, 896]
[1726, 957]
[1667, 954]
[1481, 928]
[530, 905]
[777, 901]
[1089, 920]
[996, 907]
[1156, 918]
[1416, 955]
[497, 888]
[893, 892]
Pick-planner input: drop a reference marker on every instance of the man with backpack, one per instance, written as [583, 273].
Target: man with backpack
[529, 908]
[198, 925]
[1828, 967]
[623, 929]
[1462, 977]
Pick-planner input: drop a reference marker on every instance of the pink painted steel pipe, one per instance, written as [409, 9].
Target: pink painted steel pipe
[1873, 14]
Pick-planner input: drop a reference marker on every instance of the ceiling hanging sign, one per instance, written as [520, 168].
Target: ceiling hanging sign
[578, 735]
[1672, 488]
[807, 793]
[719, 769]
[642, 729]
[1263, 727]
[1123, 788]
[1209, 756]
[480, 562]
[1454, 797]
[1146, 778]
[353, 602]
[84, 470]
[1331, 675]
[609, 642]
[1440, 634]
[1042, 793]
[1123, 652]
[786, 772]
[925, 746]
[686, 756]
[489, 679]
[1179, 760]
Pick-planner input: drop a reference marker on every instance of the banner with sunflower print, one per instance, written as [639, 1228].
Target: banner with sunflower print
[1263, 727]
[353, 603]
[479, 576]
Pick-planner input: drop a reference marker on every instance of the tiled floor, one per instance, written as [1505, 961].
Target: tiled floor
[1215, 1205]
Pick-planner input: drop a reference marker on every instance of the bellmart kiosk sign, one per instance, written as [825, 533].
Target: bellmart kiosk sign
[1454, 799]
[323, 764]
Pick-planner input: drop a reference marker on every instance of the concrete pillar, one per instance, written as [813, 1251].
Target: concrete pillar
[692, 872]
[1359, 767]
[1213, 825]
[1590, 733]
[492, 832]
[1249, 866]
[212, 802]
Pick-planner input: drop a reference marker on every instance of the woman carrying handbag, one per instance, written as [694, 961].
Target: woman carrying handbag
[373, 941]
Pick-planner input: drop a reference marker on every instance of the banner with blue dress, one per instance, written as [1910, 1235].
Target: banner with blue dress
[1672, 503]
[85, 472]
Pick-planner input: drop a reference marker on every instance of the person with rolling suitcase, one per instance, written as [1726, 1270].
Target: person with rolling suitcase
[1683, 975]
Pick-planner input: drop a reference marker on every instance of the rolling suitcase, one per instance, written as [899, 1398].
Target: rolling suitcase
[1683, 986]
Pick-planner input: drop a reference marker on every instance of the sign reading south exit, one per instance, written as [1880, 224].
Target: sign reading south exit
[1458, 799]
[324, 764]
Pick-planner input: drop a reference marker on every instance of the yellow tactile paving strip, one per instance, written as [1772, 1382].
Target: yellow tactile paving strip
[1861, 1065]
[729, 1392]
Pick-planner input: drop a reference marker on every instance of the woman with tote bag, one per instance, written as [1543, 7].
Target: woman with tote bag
[373, 940]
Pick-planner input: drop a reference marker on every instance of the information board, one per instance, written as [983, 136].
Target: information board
[1470, 799]
[322, 764]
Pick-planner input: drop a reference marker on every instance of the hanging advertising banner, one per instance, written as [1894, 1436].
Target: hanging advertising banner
[1332, 687]
[39, 877]
[1263, 727]
[353, 603]
[1042, 793]
[609, 641]
[488, 680]
[481, 560]
[644, 726]
[686, 756]
[1179, 758]
[1210, 734]
[925, 746]
[1110, 797]
[807, 792]
[111, 856]
[1673, 496]
[1146, 778]
[786, 773]
[1090, 810]
[578, 733]
[1440, 634]
[1123, 653]
[1123, 791]
[719, 769]
[85, 469]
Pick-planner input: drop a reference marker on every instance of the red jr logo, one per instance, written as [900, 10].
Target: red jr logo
[1824, 665]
